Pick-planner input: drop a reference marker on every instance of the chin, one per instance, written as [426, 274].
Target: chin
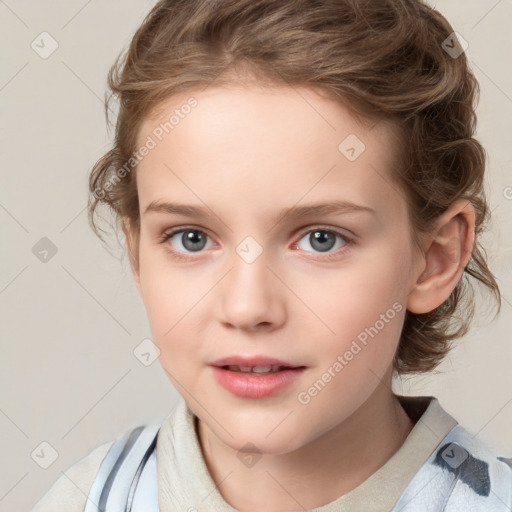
[256, 438]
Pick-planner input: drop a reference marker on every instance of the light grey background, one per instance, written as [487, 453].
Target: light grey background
[69, 326]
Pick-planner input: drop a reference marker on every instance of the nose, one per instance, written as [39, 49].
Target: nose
[252, 296]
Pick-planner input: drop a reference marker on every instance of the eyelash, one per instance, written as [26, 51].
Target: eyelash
[349, 241]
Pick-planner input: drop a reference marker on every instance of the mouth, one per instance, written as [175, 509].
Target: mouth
[255, 377]
[259, 370]
[261, 364]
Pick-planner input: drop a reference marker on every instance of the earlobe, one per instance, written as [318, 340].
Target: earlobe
[449, 251]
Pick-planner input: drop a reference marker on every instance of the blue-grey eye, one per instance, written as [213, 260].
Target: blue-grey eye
[322, 240]
[191, 240]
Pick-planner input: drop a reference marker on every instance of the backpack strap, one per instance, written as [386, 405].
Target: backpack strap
[127, 479]
[461, 474]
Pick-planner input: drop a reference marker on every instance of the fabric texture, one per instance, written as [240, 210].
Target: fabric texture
[398, 485]
[69, 492]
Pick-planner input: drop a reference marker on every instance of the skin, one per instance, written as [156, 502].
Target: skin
[246, 153]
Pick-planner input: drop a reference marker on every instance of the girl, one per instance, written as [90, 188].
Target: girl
[302, 200]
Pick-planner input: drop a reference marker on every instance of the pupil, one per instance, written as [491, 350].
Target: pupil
[193, 240]
[322, 240]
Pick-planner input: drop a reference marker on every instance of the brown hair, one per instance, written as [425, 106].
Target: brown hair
[383, 60]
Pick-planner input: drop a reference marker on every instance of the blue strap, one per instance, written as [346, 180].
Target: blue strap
[459, 475]
[143, 493]
[127, 478]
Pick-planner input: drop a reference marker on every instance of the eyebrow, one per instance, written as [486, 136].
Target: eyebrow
[327, 208]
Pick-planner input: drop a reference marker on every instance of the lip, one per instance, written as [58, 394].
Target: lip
[251, 361]
[248, 385]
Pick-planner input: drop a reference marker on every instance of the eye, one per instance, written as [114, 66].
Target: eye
[324, 240]
[186, 240]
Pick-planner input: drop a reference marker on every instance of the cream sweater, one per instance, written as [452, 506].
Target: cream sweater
[182, 485]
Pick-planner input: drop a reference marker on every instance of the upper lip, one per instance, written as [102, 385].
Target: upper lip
[252, 361]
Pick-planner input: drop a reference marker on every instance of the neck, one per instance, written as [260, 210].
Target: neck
[318, 473]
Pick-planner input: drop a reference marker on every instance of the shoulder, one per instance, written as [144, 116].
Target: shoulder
[117, 459]
[461, 472]
[70, 491]
[472, 461]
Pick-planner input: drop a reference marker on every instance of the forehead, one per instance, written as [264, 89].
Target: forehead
[278, 139]
[263, 108]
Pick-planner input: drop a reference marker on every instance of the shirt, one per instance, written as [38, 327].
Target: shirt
[184, 482]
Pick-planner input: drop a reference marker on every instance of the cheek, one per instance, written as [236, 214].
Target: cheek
[164, 294]
[170, 315]
[365, 310]
[366, 314]
[178, 303]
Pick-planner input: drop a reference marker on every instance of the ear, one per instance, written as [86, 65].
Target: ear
[132, 243]
[449, 249]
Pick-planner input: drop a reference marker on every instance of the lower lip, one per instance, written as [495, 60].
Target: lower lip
[249, 385]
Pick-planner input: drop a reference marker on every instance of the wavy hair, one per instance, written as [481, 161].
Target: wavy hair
[389, 60]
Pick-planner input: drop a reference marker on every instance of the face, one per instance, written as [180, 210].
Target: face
[322, 291]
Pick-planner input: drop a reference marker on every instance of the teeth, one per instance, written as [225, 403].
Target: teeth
[255, 369]
[262, 369]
